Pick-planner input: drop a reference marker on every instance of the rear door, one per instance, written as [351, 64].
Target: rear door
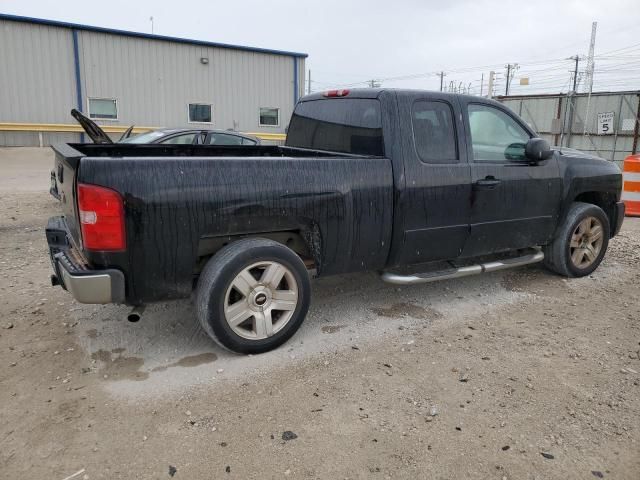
[514, 202]
[435, 199]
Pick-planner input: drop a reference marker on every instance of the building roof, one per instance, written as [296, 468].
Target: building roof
[91, 28]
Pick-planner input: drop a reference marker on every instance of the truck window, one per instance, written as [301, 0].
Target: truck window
[348, 125]
[434, 134]
[495, 136]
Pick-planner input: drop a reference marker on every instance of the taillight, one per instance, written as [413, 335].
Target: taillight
[101, 213]
[336, 93]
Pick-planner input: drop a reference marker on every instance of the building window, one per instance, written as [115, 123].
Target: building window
[269, 117]
[103, 108]
[200, 113]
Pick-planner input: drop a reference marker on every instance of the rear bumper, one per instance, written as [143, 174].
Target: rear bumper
[618, 218]
[72, 272]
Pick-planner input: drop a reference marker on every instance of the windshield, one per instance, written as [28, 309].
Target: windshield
[348, 125]
[147, 137]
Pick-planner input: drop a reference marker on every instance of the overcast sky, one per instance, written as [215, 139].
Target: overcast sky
[356, 41]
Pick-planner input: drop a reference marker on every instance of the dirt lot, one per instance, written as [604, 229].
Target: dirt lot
[516, 375]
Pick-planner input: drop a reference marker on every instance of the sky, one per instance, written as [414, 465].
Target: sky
[401, 44]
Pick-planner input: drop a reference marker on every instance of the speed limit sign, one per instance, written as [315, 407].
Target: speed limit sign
[605, 123]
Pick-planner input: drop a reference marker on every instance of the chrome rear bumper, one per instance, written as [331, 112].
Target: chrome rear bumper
[74, 274]
[90, 286]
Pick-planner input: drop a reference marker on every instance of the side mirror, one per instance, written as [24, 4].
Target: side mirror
[537, 149]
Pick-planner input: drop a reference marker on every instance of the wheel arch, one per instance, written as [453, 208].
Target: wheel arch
[605, 200]
[302, 237]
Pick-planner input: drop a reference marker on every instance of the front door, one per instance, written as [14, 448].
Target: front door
[435, 200]
[514, 202]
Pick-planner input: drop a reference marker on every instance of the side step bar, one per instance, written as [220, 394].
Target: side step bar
[450, 273]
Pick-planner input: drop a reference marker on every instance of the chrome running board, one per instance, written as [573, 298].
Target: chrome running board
[451, 273]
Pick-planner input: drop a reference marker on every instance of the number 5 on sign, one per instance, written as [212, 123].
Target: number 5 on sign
[605, 123]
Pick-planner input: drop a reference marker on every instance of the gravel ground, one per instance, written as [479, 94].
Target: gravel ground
[515, 375]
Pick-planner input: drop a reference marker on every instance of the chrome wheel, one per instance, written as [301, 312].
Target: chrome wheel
[586, 242]
[261, 300]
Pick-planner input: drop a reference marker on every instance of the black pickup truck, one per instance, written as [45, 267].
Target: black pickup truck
[392, 181]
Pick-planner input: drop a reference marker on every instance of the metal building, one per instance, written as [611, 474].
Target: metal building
[606, 124]
[122, 78]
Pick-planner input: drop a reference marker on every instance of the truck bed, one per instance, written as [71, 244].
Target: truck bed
[183, 202]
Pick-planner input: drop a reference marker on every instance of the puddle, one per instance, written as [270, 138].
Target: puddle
[407, 310]
[120, 368]
[190, 361]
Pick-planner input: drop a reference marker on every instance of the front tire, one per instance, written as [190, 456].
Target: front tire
[253, 295]
[581, 242]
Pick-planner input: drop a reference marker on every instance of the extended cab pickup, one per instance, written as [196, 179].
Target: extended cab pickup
[448, 185]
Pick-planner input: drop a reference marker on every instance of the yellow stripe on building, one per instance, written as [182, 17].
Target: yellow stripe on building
[70, 128]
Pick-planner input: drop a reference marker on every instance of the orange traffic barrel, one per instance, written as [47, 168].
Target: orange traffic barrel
[631, 188]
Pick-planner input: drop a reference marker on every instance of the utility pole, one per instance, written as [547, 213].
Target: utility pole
[309, 83]
[441, 75]
[151, 20]
[511, 71]
[492, 76]
[506, 89]
[481, 83]
[576, 57]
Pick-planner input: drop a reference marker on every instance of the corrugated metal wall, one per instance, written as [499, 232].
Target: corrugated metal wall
[153, 81]
[554, 121]
[36, 79]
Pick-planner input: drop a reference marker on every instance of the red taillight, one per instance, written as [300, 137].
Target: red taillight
[336, 93]
[101, 218]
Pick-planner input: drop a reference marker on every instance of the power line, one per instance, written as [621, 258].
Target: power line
[536, 70]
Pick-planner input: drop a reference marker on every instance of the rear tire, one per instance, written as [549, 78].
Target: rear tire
[581, 241]
[253, 295]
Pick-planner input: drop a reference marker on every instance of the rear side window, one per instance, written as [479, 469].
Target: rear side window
[347, 125]
[186, 139]
[434, 134]
[222, 139]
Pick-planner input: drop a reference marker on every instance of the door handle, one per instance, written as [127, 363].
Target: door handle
[488, 183]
